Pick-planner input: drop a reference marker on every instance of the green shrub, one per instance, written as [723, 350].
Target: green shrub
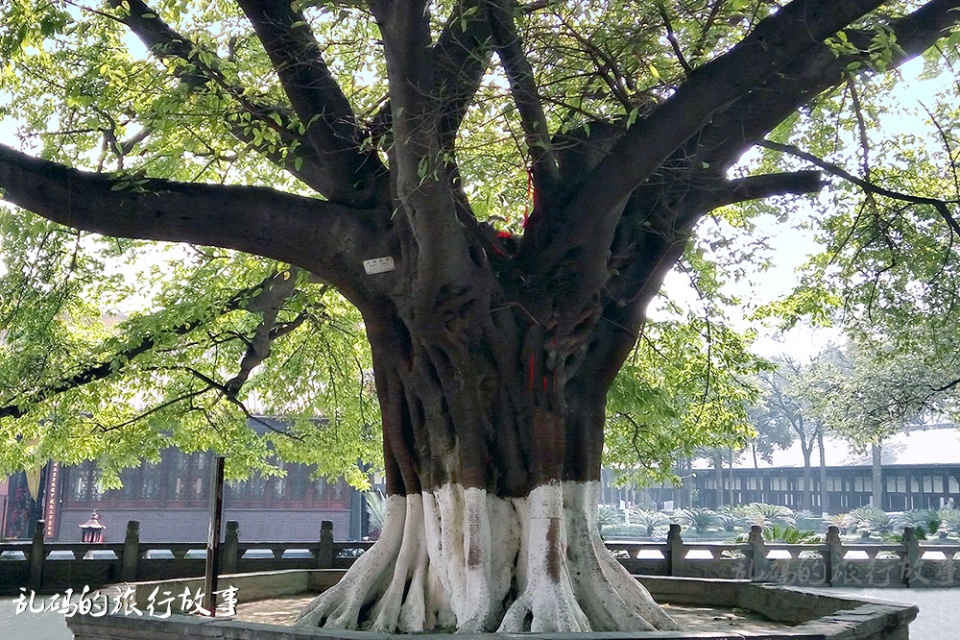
[650, 520]
[700, 520]
[869, 520]
[607, 516]
[624, 531]
[949, 521]
[768, 515]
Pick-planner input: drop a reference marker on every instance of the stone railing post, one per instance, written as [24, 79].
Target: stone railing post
[230, 550]
[833, 558]
[675, 551]
[36, 557]
[131, 552]
[325, 552]
[911, 556]
[757, 555]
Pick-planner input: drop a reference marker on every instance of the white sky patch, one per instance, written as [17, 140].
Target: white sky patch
[791, 246]
[135, 47]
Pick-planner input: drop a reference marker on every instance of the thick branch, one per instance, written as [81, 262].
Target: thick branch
[753, 116]
[660, 224]
[777, 40]
[523, 86]
[405, 28]
[421, 184]
[744, 123]
[322, 107]
[738, 127]
[269, 303]
[248, 299]
[764, 186]
[460, 58]
[324, 238]
[259, 348]
[164, 42]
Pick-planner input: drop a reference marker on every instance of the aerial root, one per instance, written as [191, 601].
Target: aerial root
[613, 599]
[403, 607]
[339, 606]
[545, 607]
[450, 560]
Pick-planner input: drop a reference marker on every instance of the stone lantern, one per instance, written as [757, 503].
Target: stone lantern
[92, 531]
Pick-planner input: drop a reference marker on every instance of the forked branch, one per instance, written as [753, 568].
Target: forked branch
[523, 87]
[749, 119]
[777, 40]
[199, 70]
[461, 56]
[331, 127]
[270, 293]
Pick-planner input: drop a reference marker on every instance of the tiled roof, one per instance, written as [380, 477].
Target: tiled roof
[935, 444]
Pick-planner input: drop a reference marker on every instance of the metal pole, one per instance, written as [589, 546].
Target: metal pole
[213, 537]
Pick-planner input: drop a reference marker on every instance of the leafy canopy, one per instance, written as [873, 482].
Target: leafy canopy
[113, 349]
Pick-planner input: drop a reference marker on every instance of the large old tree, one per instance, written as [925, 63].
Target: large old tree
[494, 345]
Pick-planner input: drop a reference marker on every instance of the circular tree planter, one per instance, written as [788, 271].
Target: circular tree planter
[805, 614]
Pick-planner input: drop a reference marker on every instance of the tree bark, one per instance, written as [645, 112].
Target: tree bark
[876, 474]
[493, 462]
[718, 467]
[824, 494]
[805, 500]
[730, 491]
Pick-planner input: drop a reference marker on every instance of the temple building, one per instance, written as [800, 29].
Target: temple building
[920, 469]
[170, 499]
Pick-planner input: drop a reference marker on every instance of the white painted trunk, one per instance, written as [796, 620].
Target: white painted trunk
[459, 559]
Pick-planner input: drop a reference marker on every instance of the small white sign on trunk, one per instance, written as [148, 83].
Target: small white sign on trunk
[379, 265]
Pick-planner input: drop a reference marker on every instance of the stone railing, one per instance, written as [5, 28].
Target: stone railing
[833, 563]
[55, 567]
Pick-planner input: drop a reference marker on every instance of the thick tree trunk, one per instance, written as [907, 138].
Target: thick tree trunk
[491, 365]
[461, 559]
[492, 450]
[730, 489]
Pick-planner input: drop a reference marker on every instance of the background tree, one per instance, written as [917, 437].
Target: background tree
[786, 416]
[771, 435]
[493, 347]
[868, 392]
[683, 389]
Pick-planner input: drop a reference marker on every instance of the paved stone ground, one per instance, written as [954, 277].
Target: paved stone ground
[284, 611]
[939, 617]
[30, 626]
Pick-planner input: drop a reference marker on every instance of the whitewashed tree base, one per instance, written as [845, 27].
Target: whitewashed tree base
[459, 559]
